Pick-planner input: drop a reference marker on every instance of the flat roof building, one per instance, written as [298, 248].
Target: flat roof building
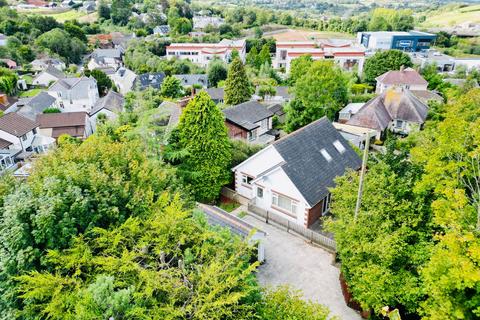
[411, 41]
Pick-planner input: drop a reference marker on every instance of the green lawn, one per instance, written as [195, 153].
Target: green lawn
[450, 16]
[28, 79]
[29, 93]
[63, 16]
[229, 206]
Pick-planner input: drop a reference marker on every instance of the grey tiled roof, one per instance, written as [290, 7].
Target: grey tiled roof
[153, 79]
[54, 72]
[304, 164]
[113, 101]
[247, 114]
[36, 105]
[192, 79]
[216, 93]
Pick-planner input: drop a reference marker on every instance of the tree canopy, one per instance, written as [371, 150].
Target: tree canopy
[216, 72]
[384, 61]
[238, 88]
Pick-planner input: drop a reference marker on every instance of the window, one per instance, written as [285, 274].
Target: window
[326, 155]
[246, 179]
[284, 203]
[34, 131]
[339, 146]
[260, 192]
[24, 137]
[398, 124]
[264, 124]
[326, 203]
[252, 135]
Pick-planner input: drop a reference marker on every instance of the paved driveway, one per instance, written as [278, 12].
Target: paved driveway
[291, 260]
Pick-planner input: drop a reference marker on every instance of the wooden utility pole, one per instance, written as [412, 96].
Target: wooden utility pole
[362, 174]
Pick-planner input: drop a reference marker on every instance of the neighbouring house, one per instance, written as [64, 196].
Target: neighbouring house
[407, 78]
[162, 30]
[68, 3]
[124, 80]
[75, 94]
[396, 109]
[412, 41]
[203, 53]
[217, 94]
[346, 54]
[3, 39]
[250, 121]
[190, 80]
[349, 110]
[443, 62]
[44, 63]
[48, 76]
[149, 80]
[7, 157]
[291, 177]
[9, 63]
[102, 40]
[461, 82]
[426, 96]
[54, 125]
[106, 107]
[89, 6]
[278, 111]
[202, 22]
[21, 134]
[468, 63]
[281, 95]
[31, 107]
[103, 58]
[120, 40]
[356, 136]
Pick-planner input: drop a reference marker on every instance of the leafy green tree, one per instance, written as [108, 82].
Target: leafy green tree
[238, 88]
[75, 31]
[8, 81]
[202, 135]
[252, 58]
[234, 55]
[384, 61]
[103, 10]
[75, 188]
[60, 42]
[120, 11]
[183, 26]
[264, 55]
[322, 91]
[217, 72]
[171, 87]
[104, 83]
[299, 67]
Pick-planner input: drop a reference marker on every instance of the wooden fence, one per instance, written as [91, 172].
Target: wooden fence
[313, 236]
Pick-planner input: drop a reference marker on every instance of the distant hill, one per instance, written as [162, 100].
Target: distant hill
[451, 16]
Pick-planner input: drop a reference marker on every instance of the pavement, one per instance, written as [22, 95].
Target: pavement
[292, 260]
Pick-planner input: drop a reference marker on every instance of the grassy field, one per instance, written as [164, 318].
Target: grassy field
[451, 15]
[63, 15]
[305, 35]
[30, 93]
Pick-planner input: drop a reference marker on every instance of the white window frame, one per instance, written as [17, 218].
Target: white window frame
[326, 155]
[339, 146]
[260, 192]
[293, 204]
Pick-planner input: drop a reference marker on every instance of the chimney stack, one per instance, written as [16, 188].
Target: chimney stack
[3, 99]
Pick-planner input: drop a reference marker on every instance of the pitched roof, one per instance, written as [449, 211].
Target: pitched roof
[401, 77]
[59, 120]
[282, 91]
[216, 93]
[36, 105]
[4, 144]
[69, 83]
[247, 114]
[54, 72]
[425, 96]
[16, 124]
[392, 104]
[152, 79]
[191, 79]
[307, 168]
[113, 101]
[107, 53]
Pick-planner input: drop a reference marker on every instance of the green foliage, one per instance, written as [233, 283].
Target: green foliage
[299, 67]
[322, 91]
[242, 150]
[8, 81]
[217, 72]
[264, 55]
[98, 183]
[120, 11]
[168, 265]
[383, 19]
[60, 42]
[202, 134]
[384, 61]
[183, 26]
[238, 88]
[103, 10]
[252, 58]
[171, 87]
[104, 83]
[284, 303]
[52, 110]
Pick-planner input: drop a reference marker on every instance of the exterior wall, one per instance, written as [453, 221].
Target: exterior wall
[82, 97]
[235, 132]
[200, 55]
[381, 87]
[92, 121]
[47, 132]
[314, 213]
[412, 43]
[406, 128]
[263, 129]
[276, 182]
[17, 142]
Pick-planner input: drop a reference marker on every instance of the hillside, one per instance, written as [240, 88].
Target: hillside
[451, 15]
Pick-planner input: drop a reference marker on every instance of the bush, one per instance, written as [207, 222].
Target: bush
[52, 110]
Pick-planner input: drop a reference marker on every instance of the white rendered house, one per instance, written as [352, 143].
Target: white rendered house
[75, 94]
[203, 53]
[291, 177]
